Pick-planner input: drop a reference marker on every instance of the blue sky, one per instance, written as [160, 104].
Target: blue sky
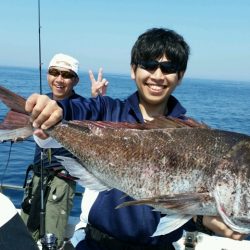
[102, 32]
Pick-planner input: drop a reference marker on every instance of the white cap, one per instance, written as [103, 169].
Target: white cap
[64, 61]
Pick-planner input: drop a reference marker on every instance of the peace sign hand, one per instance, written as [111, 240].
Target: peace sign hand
[99, 86]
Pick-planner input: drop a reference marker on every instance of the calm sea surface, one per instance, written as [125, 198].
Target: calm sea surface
[220, 104]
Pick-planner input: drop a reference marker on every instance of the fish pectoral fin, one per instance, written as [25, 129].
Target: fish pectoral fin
[177, 202]
[84, 177]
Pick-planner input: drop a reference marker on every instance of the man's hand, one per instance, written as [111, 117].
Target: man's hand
[217, 225]
[99, 86]
[44, 113]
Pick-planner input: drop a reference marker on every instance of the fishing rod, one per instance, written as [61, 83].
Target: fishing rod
[42, 209]
[48, 240]
[6, 167]
[42, 206]
[39, 42]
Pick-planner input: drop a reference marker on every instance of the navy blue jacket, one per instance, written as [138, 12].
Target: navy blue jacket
[133, 224]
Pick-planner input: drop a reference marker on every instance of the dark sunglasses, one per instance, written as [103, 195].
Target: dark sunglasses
[166, 67]
[64, 74]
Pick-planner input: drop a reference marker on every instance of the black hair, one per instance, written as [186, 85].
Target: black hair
[157, 42]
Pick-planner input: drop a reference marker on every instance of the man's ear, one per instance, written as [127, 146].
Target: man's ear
[132, 71]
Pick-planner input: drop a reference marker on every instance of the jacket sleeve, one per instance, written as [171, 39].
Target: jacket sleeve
[83, 109]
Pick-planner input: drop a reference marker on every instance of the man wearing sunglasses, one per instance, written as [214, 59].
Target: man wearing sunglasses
[158, 62]
[59, 186]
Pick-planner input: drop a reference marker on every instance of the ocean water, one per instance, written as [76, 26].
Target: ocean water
[220, 104]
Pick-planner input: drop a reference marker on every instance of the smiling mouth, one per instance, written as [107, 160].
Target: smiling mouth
[156, 87]
[59, 86]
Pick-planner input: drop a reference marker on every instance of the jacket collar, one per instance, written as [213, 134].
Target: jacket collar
[50, 95]
[175, 109]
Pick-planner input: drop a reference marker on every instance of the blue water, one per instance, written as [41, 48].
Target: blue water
[220, 104]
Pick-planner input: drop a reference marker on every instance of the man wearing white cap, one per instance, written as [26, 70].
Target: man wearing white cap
[62, 76]
[59, 185]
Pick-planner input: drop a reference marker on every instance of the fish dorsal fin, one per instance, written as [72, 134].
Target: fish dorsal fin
[12, 100]
[84, 177]
[106, 125]
[157, 123]
[178, 203]
[172, 122]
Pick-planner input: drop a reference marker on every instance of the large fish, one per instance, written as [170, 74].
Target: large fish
[171, 165]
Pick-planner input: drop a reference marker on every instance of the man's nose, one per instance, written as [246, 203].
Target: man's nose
[157, 74]
[59, 78]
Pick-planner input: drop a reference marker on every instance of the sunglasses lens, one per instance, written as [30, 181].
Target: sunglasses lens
[149, 65]
[168, 68]
[54, 72]
[64, 74]
[67, 74]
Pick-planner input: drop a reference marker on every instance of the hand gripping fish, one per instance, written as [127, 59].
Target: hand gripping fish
[176, 167]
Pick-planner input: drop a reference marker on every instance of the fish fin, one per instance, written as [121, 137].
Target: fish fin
[158, 123]
[12, 100]
[173, 122]
[14, 120]
[16, 125]
[105, 124]
[15, 135]
[179, 202]
[84, 177]
[171, 222]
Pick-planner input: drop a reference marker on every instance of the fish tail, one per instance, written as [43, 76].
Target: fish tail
[13, 101]
[16, 125]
